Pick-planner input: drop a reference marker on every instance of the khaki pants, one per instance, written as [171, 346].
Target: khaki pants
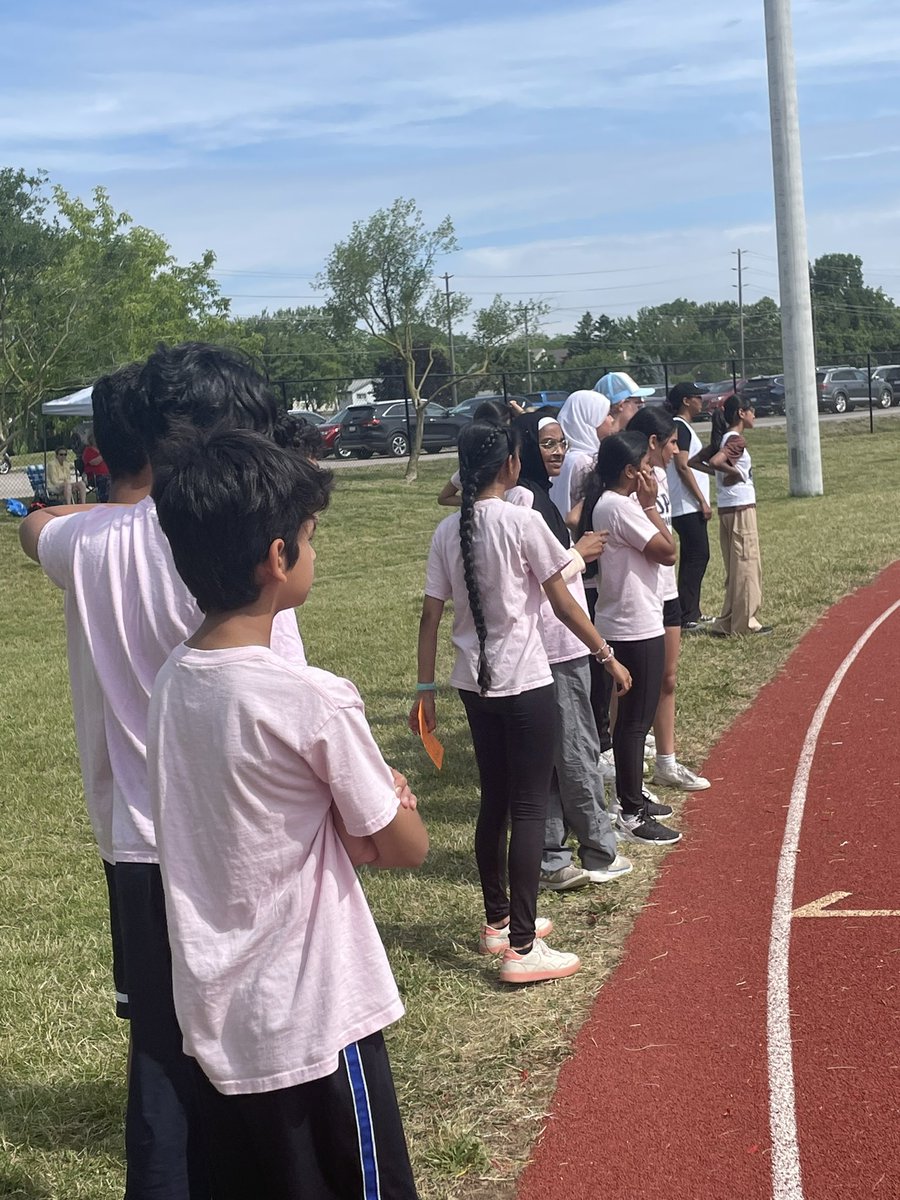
[739, 542]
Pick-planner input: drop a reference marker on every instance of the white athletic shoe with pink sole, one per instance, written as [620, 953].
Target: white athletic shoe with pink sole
[495, 941]
[538, 964]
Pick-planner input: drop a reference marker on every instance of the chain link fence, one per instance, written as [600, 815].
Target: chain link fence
[868, 384]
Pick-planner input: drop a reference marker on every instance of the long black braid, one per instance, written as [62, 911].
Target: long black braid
[483, 449]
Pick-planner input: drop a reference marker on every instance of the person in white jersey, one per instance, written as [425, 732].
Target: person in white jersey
[124, 596]
[728, 457]
[689, 494]
[281, 983]
[659, 429]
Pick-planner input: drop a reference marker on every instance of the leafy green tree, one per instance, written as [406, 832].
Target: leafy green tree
[83, 289]
[851, 319]
[382, 277]
[304, 355]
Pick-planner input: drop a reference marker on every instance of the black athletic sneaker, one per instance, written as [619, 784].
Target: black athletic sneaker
[637, 827]
[653, 807]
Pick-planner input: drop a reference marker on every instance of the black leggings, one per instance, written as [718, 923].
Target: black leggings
[601, 684]
[513, 739]
[646, 661]
[693, 559]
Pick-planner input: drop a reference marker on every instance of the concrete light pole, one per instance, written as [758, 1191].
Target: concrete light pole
[804, 451]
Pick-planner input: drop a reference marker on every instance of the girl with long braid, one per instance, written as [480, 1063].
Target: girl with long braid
[492, 559]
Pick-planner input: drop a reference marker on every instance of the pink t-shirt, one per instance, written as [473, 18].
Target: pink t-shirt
[514, 552]
[668, 580]
[629, 607]
[276, 961]
[560, 643]
[90, 731]
[125, 599]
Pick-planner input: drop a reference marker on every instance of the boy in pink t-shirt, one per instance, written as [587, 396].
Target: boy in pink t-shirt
[281, 983]
[126, 609]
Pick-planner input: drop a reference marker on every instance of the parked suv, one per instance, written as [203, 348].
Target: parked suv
[886, 377]
[382, 428]
[842, 388]
[766, 393]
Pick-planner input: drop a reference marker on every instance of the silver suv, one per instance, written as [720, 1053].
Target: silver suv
[841, 389]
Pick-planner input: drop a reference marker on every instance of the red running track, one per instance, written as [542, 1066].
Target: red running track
[668, 1090]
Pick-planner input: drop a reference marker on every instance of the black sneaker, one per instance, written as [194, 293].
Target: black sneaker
[691, 627]
[763, 629]
[636, 827]
[652, 806]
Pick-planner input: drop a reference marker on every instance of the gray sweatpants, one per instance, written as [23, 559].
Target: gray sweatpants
[577, 800]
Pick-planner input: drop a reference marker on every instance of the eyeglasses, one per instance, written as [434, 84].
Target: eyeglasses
[552, 443]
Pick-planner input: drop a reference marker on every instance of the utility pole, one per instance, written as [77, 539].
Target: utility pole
[740, 290]
[528, 352]
[447, 279]
[804, 449]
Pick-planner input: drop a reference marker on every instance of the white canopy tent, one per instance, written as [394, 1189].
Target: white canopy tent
[78, 404]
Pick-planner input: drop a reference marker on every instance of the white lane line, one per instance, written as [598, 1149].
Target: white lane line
[787, 1182]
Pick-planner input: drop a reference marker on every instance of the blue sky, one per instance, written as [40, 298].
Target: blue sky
[602, 156]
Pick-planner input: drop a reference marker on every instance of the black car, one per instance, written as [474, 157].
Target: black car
[468, 408]
[388, 427]
[765, 393]
[882, 378]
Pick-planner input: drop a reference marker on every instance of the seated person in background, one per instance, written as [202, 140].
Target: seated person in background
[61, 483]
[95, 469]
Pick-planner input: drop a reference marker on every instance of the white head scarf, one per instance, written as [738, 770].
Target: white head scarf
[579, 417]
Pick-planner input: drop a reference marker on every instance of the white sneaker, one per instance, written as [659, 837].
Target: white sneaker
[563, 880]
[496, 940]
[538, 964]
[681, 777]
[617, 868]
[649, 746]
[607, 764]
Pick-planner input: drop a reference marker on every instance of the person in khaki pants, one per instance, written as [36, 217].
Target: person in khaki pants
[729, 459]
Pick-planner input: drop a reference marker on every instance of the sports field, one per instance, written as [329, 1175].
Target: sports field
[475, 1065]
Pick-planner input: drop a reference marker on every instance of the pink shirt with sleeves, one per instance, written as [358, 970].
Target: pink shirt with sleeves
[276, 961]
[514, 552]
[126, 604]
[629, 607]
[560, 643]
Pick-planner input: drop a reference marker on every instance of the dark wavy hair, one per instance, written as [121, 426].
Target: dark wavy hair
[116, 403]
[495, 412]
[223, 498]
[618, 451]
[200, 385]
[483, 449]
[723, 418]
[653, 421]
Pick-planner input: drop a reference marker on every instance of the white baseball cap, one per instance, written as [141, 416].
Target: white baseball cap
[618, 386]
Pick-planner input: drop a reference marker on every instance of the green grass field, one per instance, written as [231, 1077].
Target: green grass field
[474, 1065]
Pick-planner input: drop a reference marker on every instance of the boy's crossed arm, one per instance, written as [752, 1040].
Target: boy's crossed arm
[403, 842]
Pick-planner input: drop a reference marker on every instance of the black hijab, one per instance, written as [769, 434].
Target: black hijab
[534, 475]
